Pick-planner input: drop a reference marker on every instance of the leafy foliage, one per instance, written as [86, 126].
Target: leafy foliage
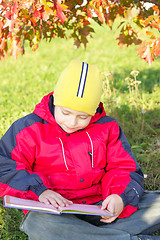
[34, 20]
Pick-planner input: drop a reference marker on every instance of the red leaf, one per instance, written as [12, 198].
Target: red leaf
[156, 9]
[2, 44]
[149, 33]
[15, 8]
[33, 21]
[59, 9]
[157, 48]
[37, 14]
[145, 52]
[14, 47]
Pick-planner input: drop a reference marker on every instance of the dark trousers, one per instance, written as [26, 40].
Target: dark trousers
[146, 220]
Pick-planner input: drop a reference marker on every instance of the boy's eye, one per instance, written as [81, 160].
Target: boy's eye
[65, 113]
[83, 117]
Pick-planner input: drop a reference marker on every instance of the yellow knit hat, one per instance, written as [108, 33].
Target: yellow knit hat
[79, 87]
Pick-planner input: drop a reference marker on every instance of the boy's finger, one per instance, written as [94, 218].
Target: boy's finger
[53, 202]
[68, 202]
[61, 201]
[108, 220]
[105, 204]
[45, 201]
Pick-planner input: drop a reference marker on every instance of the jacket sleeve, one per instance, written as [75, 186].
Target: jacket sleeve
[17, 156]
[123, 174]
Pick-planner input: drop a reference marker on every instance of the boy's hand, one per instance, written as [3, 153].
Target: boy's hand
[115, 205]
[54, 198]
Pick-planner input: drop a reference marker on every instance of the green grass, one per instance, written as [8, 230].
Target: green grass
[24, 82]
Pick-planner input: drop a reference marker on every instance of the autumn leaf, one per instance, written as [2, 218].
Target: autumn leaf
[59, 9]
[14, 47]
[156, 9]
[156, 48]
[2, 47]
[146, 53]
[47, 8]
[128, 36]
[36, 14]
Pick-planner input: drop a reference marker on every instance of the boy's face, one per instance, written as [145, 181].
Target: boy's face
[70, 120]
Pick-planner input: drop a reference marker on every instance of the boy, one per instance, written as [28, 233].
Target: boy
[68, 151]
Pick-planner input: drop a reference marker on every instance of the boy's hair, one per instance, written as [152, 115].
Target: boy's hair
[79, 87]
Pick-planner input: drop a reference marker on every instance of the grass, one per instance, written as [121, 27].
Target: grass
[24, 82]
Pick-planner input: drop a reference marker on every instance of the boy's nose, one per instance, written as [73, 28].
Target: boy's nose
[72, 122]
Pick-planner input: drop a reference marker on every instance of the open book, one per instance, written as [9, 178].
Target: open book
[14, 202]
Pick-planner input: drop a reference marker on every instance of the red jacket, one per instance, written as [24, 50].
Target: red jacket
[85, 166]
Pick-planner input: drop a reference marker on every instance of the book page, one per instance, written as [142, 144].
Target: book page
[86, 209]
[28, 204]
